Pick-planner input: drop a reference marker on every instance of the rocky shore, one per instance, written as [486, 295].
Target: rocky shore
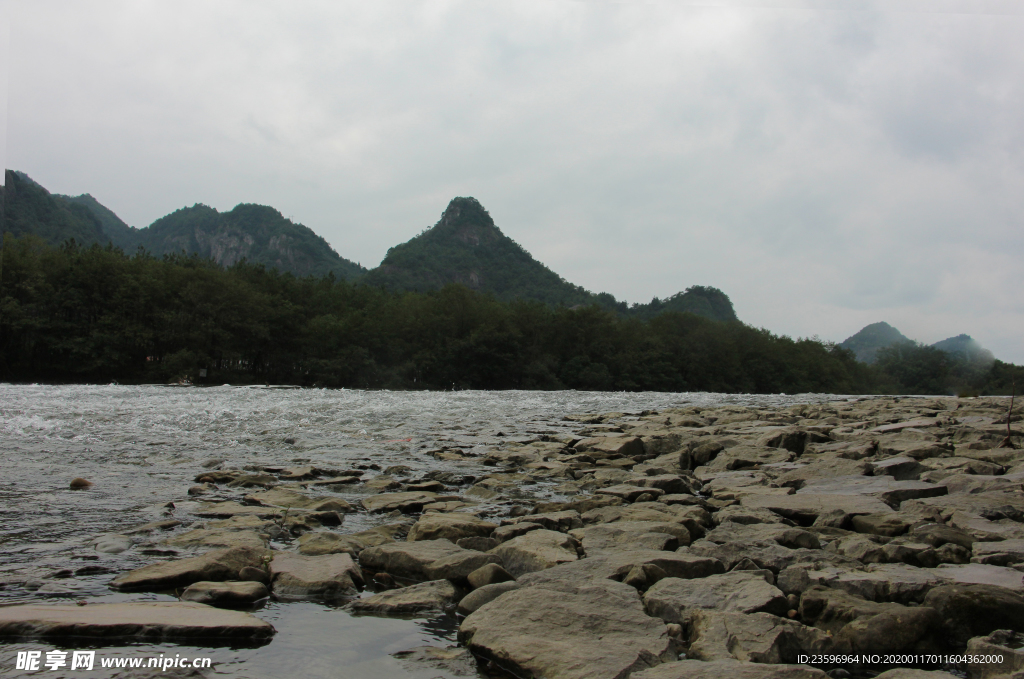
[694, 542]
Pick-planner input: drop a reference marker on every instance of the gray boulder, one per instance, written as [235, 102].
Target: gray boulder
[431, 597]
[217, 565]
[408, 559]
[675, 599]
[327, 577]
[225, 594]
[536, 551]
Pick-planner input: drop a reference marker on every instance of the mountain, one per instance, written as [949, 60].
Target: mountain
[257, 233]
[31, 209]
[465, 246]
[967, 349]
[866, 343]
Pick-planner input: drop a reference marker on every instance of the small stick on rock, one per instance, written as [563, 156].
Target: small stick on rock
[1008, 442]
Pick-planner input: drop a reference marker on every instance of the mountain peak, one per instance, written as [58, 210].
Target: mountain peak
[866, 343]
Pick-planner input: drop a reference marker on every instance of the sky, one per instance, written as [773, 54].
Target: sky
[827, 164]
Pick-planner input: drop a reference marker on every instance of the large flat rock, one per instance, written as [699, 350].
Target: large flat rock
[409, 559]
[145, 620]
[423, 598]
[616, 566]
[450, 527]
[327, 577]
[885, 488]
[536, 551]
[754, 637]
[403, 502]
[805, 507]
[675, 599]
[573, 632]
[217, 565]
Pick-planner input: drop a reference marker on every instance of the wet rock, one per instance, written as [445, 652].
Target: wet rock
[562, 521]
[675, 600]
[976, 610]
[716, 669]
[323, 578]
[289, 499]
[111, 544]
[152, 621]
[153, 526]
[535, 551]
[488, 574]
[217, 565]
[409, 559]
[572, 632]
[487, 593]
[454, 661]
[226, 594]
[450, 527]
[458, 566]
[422, 598]
[246, 481]
[202, 537]
[254, 574]
[79, 483]
[755, 637]
[402, 502]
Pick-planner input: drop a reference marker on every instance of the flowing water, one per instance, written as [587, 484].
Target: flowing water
[142, 446]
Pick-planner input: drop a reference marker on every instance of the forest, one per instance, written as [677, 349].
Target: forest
[96, 314]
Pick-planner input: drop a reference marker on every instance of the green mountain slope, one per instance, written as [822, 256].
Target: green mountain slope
[257, 233]
[465, 246]
[966, 348]
[31, 209]
[866, 343]
[114, 228]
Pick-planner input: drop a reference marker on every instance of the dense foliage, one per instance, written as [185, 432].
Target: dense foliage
[92, 314]
[95, 314]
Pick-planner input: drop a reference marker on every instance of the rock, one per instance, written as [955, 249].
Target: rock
[716, 669]
[202, 537]
[625, 535]
[562, 521]
[617, 565]
[225, 594]
[254, 574]
[675, 600]
[246, 481]
[794, 538]
[111, 544]
[804, 508]
[885, 488]
[745, 457]
[937, 535]
[746, 515]
[976, 610]
[535, 551]
[766, 554]
[1002, 553]
[409, 559]
[323, 578]
[153, 526]
[626, 446]
[793, 580]
[402, 502]
[911, 673]
[478, 544]
[217, 566]
[450, 527]
[79, 483]
[514, 530]
[754, 637]
[488, 574]
[151, 621]
[450, 661]
[882, 582]
[629, 493]
[982, 574]
[483, 595]
[459, 566]
[316, 544]
[1005, 643]
[572, 632]
[432, 597]
[290, 499]
[889, 525]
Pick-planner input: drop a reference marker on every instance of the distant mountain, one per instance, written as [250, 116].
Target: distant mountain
[31, 209]
[465, 246]
[866, 343]
[966, 348]
[257, 233]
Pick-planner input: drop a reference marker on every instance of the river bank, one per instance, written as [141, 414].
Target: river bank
[582, 545]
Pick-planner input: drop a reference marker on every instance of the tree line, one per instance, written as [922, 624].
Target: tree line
[96, 314]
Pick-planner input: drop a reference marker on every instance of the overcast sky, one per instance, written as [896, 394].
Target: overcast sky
[826, 164]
